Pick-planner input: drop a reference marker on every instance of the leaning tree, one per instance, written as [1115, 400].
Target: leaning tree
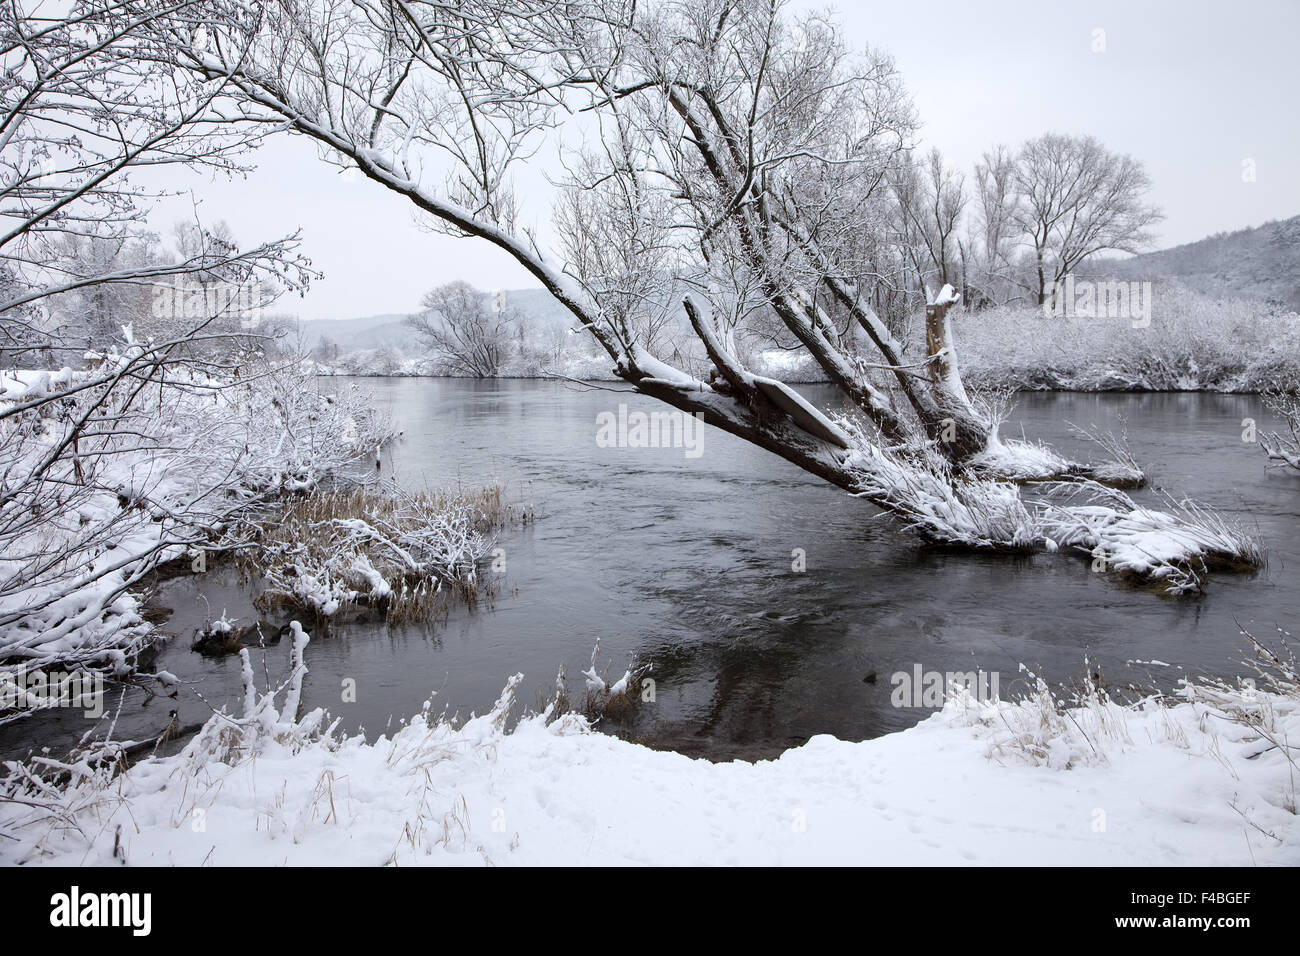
[721, 155]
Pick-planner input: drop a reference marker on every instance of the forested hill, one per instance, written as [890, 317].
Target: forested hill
[1260, 263]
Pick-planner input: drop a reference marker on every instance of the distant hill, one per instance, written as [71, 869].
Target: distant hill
[353, 335]
[1259, 263]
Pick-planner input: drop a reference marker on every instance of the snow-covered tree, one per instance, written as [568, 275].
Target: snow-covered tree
[931, 200]
[85, 101]
[991, 279]
[473, 335]
[731, 149]
[1075, 199]
[108, 460]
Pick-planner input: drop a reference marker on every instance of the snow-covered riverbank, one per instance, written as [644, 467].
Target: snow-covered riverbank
[1204, 781]
[135, 461]
[1190, 341]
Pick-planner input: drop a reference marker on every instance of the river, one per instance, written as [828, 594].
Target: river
[685, 565]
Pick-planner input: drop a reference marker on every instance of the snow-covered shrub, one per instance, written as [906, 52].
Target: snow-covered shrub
[229, 739]
[283, 434]
[1283, 399]
[1193, 341]
[115, 469]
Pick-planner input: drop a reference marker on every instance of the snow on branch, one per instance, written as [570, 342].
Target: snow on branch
[107, 481]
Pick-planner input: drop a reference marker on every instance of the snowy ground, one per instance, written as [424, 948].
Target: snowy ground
[1007, 784]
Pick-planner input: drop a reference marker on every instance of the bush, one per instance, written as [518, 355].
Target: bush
[1194, 341]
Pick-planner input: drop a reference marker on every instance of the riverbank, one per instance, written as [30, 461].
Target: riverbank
[1182, 340]
[134, 463]
[1207, 780]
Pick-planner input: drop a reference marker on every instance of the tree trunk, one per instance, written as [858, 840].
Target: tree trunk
[960, 432]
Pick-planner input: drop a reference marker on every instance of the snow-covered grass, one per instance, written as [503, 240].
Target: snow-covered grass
[1020, 461]
[1173, 548]
[1209, 779]
[378, 546]
[1193, 342]
[614, 701]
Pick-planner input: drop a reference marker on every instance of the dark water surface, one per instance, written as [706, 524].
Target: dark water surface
[685, 564]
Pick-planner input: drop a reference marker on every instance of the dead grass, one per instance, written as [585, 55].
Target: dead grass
[616, 702]
[407, 555]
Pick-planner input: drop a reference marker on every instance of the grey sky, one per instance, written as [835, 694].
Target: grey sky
[1191, 88]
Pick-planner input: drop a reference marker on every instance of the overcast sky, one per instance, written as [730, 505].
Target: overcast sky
[1192, 89]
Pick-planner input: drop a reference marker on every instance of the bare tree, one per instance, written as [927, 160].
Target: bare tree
[1076, 198]
[931, 199]
[473, 335]
[994, 227]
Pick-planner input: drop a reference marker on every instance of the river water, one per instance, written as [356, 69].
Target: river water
[684, 564]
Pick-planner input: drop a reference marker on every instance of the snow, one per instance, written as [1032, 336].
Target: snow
[805, 414]
[620, 686]
[1020, 460]
[322, 593]
[24, 386]
[657, 371]
[947, 296]
[973, 785]
[378, 587]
